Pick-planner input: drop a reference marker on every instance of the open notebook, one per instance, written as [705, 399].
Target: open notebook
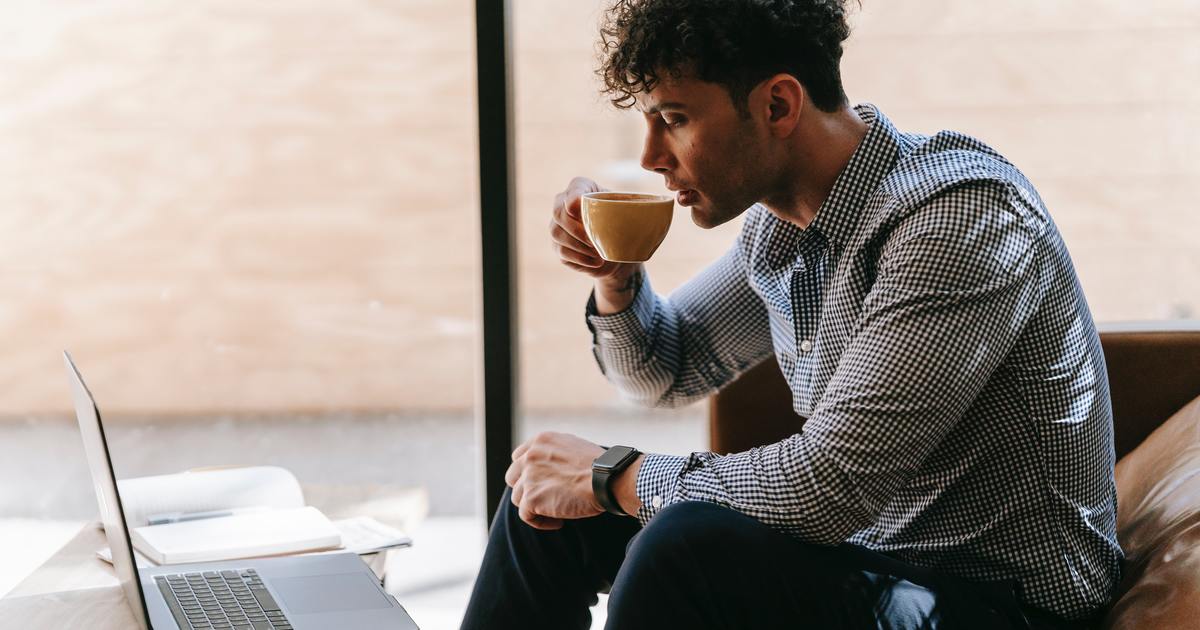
[230, 513]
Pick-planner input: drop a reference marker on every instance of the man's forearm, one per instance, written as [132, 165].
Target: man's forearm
[615, 294]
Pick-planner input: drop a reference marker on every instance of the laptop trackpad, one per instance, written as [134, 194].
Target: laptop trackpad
[328, 593]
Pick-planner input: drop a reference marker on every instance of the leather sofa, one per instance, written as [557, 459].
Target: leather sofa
[1153, 371]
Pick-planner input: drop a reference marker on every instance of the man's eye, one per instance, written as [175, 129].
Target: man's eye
[673, 121]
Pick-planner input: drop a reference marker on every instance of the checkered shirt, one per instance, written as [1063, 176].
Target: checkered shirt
[934, 333]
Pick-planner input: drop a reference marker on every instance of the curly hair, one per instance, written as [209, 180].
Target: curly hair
[733, 43]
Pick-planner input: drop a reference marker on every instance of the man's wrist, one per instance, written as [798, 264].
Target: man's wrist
[614, 294]
[624, 487]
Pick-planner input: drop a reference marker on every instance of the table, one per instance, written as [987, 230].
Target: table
[75, 589]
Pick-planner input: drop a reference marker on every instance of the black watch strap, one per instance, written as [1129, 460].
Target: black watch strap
[610, 464]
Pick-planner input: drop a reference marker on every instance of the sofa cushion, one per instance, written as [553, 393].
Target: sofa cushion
[1158, 524]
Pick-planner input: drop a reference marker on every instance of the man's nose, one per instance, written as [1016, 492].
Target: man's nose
[655, 157]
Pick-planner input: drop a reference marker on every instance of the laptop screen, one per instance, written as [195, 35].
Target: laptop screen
[111, 513]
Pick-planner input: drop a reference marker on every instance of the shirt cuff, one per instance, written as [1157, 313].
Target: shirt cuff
[657, 480]
[626, 328]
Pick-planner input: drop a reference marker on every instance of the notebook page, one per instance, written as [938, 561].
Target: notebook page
[209, 490]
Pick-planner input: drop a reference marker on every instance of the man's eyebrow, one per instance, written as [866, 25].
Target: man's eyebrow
[662, 106]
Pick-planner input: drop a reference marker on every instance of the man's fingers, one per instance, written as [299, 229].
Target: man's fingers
[520, 450]
[547, 523]
[568, 235]
[566, 200]
[583, 260]
[573, 228]
[602, 271]
[513, 473]
[562, 237]
[595, 272]
[537, 521]
[570, 198]
[574, 207]
[518, 494]
[527, 515]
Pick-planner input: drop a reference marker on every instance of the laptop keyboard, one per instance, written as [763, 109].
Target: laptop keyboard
[221, 600]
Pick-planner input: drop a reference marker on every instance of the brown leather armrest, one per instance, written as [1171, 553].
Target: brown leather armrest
[753, 410]
[1153, 370]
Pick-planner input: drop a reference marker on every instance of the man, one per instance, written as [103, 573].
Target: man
[956, 468]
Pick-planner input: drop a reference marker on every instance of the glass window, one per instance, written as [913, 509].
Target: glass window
[254, 226]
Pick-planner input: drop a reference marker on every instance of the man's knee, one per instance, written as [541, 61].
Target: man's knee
[690, 526]
[721, 536]
[661, 562]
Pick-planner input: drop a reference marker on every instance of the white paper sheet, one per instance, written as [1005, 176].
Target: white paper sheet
[362, 535]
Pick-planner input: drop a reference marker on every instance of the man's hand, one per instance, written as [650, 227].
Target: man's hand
[551, 478]
[616, 283]
[567, 236]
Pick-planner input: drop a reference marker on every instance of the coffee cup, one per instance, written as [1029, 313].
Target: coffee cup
[625, 226]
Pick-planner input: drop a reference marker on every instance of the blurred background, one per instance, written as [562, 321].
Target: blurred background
[255, 225]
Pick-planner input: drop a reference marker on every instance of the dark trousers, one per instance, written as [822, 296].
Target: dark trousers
[700, 565]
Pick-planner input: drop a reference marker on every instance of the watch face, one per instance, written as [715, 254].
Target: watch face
[613, 456]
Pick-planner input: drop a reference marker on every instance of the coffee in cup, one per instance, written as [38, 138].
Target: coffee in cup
[626, 227]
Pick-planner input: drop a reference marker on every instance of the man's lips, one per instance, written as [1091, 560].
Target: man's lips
[687, 197]
[683, 196]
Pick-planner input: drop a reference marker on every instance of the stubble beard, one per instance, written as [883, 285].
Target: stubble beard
[745, 185]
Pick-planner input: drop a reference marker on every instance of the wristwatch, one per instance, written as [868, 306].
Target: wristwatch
[604, 468]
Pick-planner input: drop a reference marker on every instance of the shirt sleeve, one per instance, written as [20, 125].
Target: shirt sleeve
[670, 351]
[956, 282]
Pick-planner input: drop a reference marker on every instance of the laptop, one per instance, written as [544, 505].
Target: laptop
[313, 592]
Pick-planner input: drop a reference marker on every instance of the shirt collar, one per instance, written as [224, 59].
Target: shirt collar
[839, 215]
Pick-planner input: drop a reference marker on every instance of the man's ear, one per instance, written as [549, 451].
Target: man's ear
[785, 101]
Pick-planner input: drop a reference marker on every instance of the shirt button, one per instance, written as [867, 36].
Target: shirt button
[607, 336]
[805, 346]
[656, 501]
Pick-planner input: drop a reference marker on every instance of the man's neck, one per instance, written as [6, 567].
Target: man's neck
[819, 152]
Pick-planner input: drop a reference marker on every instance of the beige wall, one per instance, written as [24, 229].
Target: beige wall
[259, 206]
[1099, 104]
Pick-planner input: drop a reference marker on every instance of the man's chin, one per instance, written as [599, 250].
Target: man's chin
[701, 218]
[707, 219]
